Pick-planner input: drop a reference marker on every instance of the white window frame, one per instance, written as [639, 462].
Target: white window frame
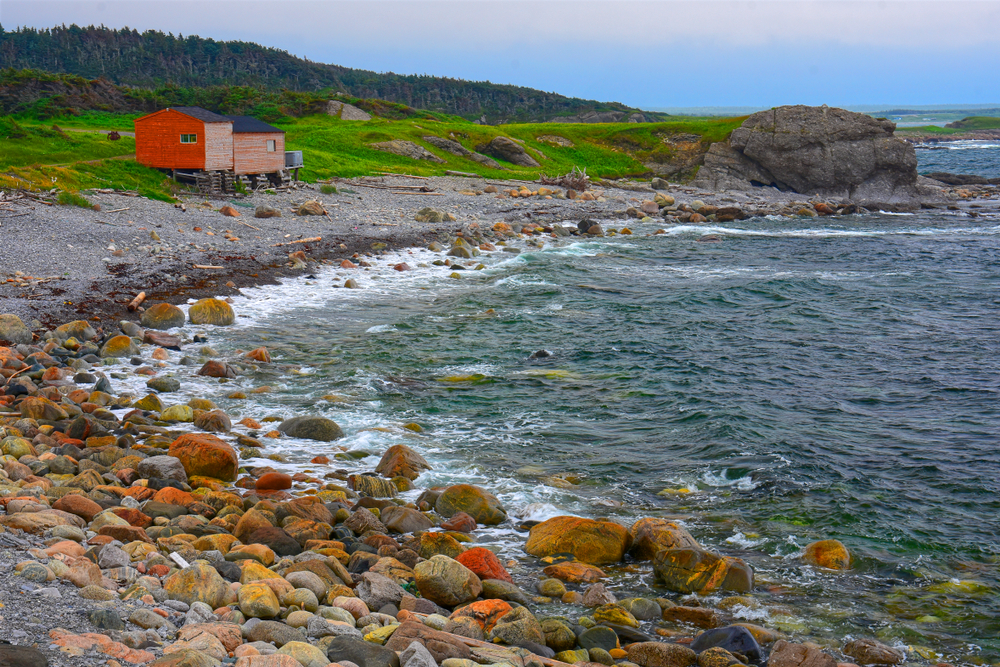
[272, 145]
[189, 138]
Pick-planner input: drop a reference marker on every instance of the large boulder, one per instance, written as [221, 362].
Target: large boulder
[401, 461]
[311, 428]
[873, 652]
[13, 330]
[440, 644]
[816, 151]
[446, 582]
[163, 316]
[199, 582]
[477, 503]
[211, 311]
[650, 535]
[505, 148]
[786, 654]
[590, 541]
[831, 554]
[361, 653]
[699, 571]
[405, 520]
[205, 455]
[661, 654]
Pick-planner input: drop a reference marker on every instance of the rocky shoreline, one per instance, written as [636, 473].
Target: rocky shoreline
[136, 536]
[63, 263]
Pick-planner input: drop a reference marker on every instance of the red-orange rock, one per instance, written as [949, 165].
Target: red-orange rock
[206, 455]
[125, 534]
[81, 506]
[260, 354]
[320, 459]
[485, 613]
[171, 496]
[133, 516]
[348, 264]
[575, 572]
[484, 564]
[461, 522]
[273, 481]
[590, 541]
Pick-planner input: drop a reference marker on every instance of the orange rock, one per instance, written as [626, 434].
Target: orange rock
[260, 354]
[204, 454]
[250, 423]
[273, 481]
[590, 541]
[133, 516]
[125, 534]
[484, 564]
[575, 572]
[348, 264]
[66, 548]
[320, 459]
[172, 496]
[831, 554]
[229, 211]
[461, 522]
[650, 535]
[485, 613]
[81, 506]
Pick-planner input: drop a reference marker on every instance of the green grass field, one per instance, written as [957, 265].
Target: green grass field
[333, 148]
[39, 157]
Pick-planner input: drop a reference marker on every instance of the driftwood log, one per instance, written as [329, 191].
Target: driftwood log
[574, 180]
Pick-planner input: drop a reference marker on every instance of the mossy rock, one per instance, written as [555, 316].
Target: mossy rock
[163, 316]
[211, 311]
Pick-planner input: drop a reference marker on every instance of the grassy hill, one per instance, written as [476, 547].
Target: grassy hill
[976, 123]
[151, 60]
[39, 157]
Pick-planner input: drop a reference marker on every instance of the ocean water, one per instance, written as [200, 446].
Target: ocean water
[799, 380]
[981, 158]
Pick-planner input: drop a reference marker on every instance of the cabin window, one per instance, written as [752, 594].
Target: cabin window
[189, 138]
[271, 145]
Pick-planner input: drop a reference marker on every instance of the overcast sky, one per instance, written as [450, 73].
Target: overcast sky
[665, 53]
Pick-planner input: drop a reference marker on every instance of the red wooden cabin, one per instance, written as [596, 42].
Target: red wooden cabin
[198, 139]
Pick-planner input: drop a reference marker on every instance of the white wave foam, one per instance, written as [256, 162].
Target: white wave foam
[720, 479]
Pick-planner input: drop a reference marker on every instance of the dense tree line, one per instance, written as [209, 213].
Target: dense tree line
[153, 59]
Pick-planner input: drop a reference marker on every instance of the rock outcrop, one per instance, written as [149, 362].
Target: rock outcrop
[816, 151]
[407, 149]
[346, 111]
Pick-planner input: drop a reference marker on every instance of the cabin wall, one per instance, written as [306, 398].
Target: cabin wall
[158, 141]
[218, 146]
[250, 154]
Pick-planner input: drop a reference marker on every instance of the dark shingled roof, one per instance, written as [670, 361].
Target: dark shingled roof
[247, 124]
[203, 115]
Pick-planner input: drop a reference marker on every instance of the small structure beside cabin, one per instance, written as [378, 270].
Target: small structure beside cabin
[211, 150]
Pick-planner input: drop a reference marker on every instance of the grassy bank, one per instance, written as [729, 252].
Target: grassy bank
[343, 149]
[38, 157]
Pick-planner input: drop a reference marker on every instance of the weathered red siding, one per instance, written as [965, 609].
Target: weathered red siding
[218, 146]
[158, 141]
[250, 154]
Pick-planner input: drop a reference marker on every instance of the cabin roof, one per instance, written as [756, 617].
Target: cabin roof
[248, 124]
[203, 115]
